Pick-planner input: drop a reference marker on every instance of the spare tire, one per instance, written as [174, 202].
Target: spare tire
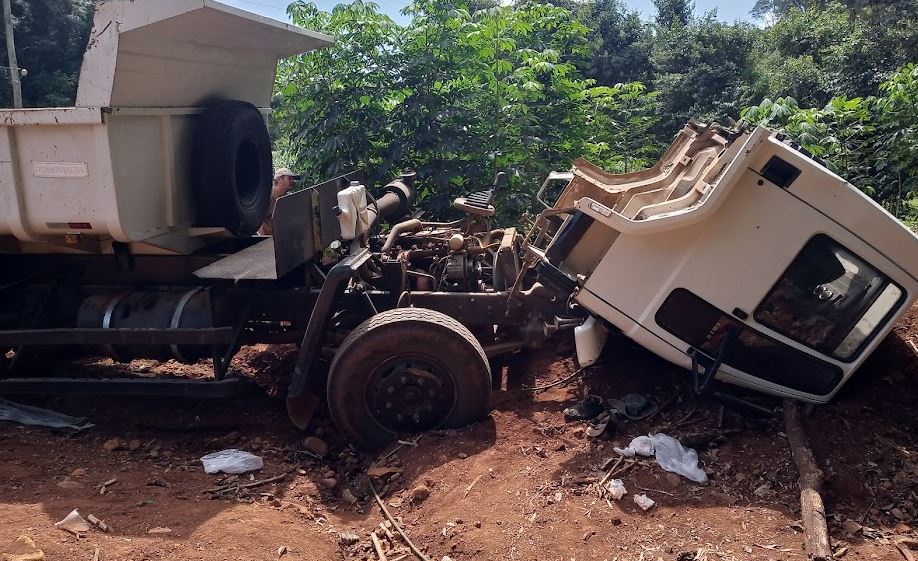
[231, 168]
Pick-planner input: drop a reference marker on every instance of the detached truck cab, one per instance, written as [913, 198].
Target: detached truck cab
[736, 255]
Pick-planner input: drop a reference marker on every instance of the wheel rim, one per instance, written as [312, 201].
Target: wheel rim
[407, 394]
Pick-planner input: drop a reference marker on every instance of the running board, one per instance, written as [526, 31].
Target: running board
[150, 387]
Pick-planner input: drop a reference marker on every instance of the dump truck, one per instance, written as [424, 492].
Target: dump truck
[127, 222]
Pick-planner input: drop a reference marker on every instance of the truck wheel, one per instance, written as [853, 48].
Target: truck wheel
[407, 370]
[232, 168]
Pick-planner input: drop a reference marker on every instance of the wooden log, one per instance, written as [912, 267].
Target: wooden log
[812, 509]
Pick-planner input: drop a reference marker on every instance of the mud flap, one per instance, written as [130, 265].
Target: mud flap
[301, 401]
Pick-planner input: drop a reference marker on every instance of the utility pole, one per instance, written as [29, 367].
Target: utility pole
[11, 51]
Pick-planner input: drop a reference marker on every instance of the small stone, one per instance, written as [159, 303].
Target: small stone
[78, 472]
[348, 538]
[112, 444]
[167, 454]
[740, 477]
[851, 527]
[462, 455]
[329, 483]
[560, 447]
[316, 445]
[329, 473]
[420, 493]
[897, 512]
[69, 484]
[154, 453]
[447, 558]
[579, 432]
[134, 445]
[282, 550]
[673, 479]
[348, 497]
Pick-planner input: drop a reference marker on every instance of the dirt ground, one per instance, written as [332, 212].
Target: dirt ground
[520, 485]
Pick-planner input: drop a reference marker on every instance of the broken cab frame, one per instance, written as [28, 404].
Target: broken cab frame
[737, 256]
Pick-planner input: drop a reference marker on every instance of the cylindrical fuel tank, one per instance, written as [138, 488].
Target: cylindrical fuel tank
[149, 309]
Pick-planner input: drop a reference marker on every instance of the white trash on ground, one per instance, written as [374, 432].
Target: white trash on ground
[73, 523]
[36, 416]
[616, 489]
[672, 456]
[231, 461]
[641, 445]
[670, 453]
[643, 501]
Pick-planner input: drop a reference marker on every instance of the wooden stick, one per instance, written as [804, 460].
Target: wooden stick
[378, 547]
[472, 484]
[247, 485]
[812, 509]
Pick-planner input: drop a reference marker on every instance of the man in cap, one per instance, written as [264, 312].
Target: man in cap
[283, 182]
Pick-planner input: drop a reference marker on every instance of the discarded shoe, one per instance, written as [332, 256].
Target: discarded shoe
[634, 406]
[599, 425]
[587, 408]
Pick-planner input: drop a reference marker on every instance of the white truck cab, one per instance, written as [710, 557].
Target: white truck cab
[736, 255]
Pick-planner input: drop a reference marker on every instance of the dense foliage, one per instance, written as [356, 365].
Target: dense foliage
[50, 38]
[470, 87]
[457, 95]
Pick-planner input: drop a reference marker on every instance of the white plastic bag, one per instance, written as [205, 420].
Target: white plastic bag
[672, 456]
[640, 445]
[73, 523]
[643, 501]
[616, 489]
[231, 461]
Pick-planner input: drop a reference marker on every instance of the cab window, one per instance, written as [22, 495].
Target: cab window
[830, 300]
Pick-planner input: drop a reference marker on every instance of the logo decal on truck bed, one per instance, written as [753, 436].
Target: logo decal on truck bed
[60, 169]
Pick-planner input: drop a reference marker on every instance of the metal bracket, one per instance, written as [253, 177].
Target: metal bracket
[301, 402]
[700, 380]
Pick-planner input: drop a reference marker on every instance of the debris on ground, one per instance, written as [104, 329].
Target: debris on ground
[585, 409]
[160, 530]
[21, 549]
[231, 461]
[616, 489]
[643, 501]
[37, 416]
[73, 523]
[670, 454]
[315, 445]
[97, 522]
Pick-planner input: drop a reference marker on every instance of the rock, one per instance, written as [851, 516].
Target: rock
[79, 472]
[167, 454]
[329, 473]
[462, 455]
[477, 524]
[898, 513]
[316, 445]
[154, 453]
[348, 538]
[851, 527]
[282, 550]
[69, 484]
[329, 483]
[725, 498]
[348, 497]
[579, 432]
[134, 445]
[276, 503]
[446, 558]
[22, 549]
[740, 477]
[112, 444]
[673, 479]
[160, 530]
[419, 493]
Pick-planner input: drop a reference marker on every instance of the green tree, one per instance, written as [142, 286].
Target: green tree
[456, 95]
[702, 70]
[51, 36]
[621, 44]
[674, 12]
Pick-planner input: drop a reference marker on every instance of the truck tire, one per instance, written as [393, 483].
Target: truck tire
[232, 168]
[407, 370]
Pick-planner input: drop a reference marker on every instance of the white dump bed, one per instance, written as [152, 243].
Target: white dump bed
[116, 167]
